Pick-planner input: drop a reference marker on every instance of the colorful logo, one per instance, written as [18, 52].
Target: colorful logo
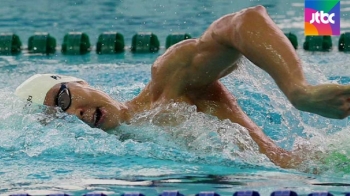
[322, 17]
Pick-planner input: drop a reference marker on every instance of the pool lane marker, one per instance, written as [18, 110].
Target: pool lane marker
[318, 43]
[78, 43]
[145, 42]
[10, 44]
[110, 43]
[42, 43]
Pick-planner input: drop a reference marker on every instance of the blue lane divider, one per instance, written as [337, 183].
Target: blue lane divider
[207, 193]
[94, 194]
[171, 193]
[246, 193]
[20, 194]
[284, 193]
[320, 194]
[132, 194]
[204, 193]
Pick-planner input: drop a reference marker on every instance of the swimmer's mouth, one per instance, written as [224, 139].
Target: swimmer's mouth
[98, 117]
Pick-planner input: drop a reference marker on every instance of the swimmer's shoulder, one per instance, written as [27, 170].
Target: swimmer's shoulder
[177, 56]
[169, 70]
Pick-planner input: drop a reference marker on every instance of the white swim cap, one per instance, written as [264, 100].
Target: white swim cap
[35, 88]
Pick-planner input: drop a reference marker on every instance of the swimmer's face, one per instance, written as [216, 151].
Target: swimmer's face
[92, 106]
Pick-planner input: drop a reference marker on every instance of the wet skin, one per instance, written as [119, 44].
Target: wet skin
[92, 106]
[190, 71]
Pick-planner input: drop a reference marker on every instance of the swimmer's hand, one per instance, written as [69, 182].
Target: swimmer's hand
[283, 158]
[328, 100]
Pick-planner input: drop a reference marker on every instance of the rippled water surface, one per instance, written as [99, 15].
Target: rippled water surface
[202, 153]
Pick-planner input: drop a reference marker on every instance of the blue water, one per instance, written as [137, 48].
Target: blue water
[64, 154]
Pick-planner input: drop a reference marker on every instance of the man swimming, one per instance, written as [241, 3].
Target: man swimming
[189, 72]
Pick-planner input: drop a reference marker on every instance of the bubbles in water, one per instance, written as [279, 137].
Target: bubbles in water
[190, 137]
[190, 132]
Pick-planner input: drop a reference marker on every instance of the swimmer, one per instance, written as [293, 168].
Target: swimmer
[189, 72]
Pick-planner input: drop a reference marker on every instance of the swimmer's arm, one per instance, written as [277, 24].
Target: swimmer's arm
[279, 156]
[227, 107]
[256, 36]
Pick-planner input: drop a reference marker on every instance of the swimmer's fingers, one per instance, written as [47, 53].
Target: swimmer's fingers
[328, 100]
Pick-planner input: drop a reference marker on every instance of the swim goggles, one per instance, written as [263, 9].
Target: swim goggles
[63, 98]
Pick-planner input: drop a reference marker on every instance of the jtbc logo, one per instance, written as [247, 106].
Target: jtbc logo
[316, 17]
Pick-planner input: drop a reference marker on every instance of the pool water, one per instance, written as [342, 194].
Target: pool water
[40, 155]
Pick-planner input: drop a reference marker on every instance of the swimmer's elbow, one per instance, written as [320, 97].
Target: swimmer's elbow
[252, 14]
[232, 29]
[248, 21]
